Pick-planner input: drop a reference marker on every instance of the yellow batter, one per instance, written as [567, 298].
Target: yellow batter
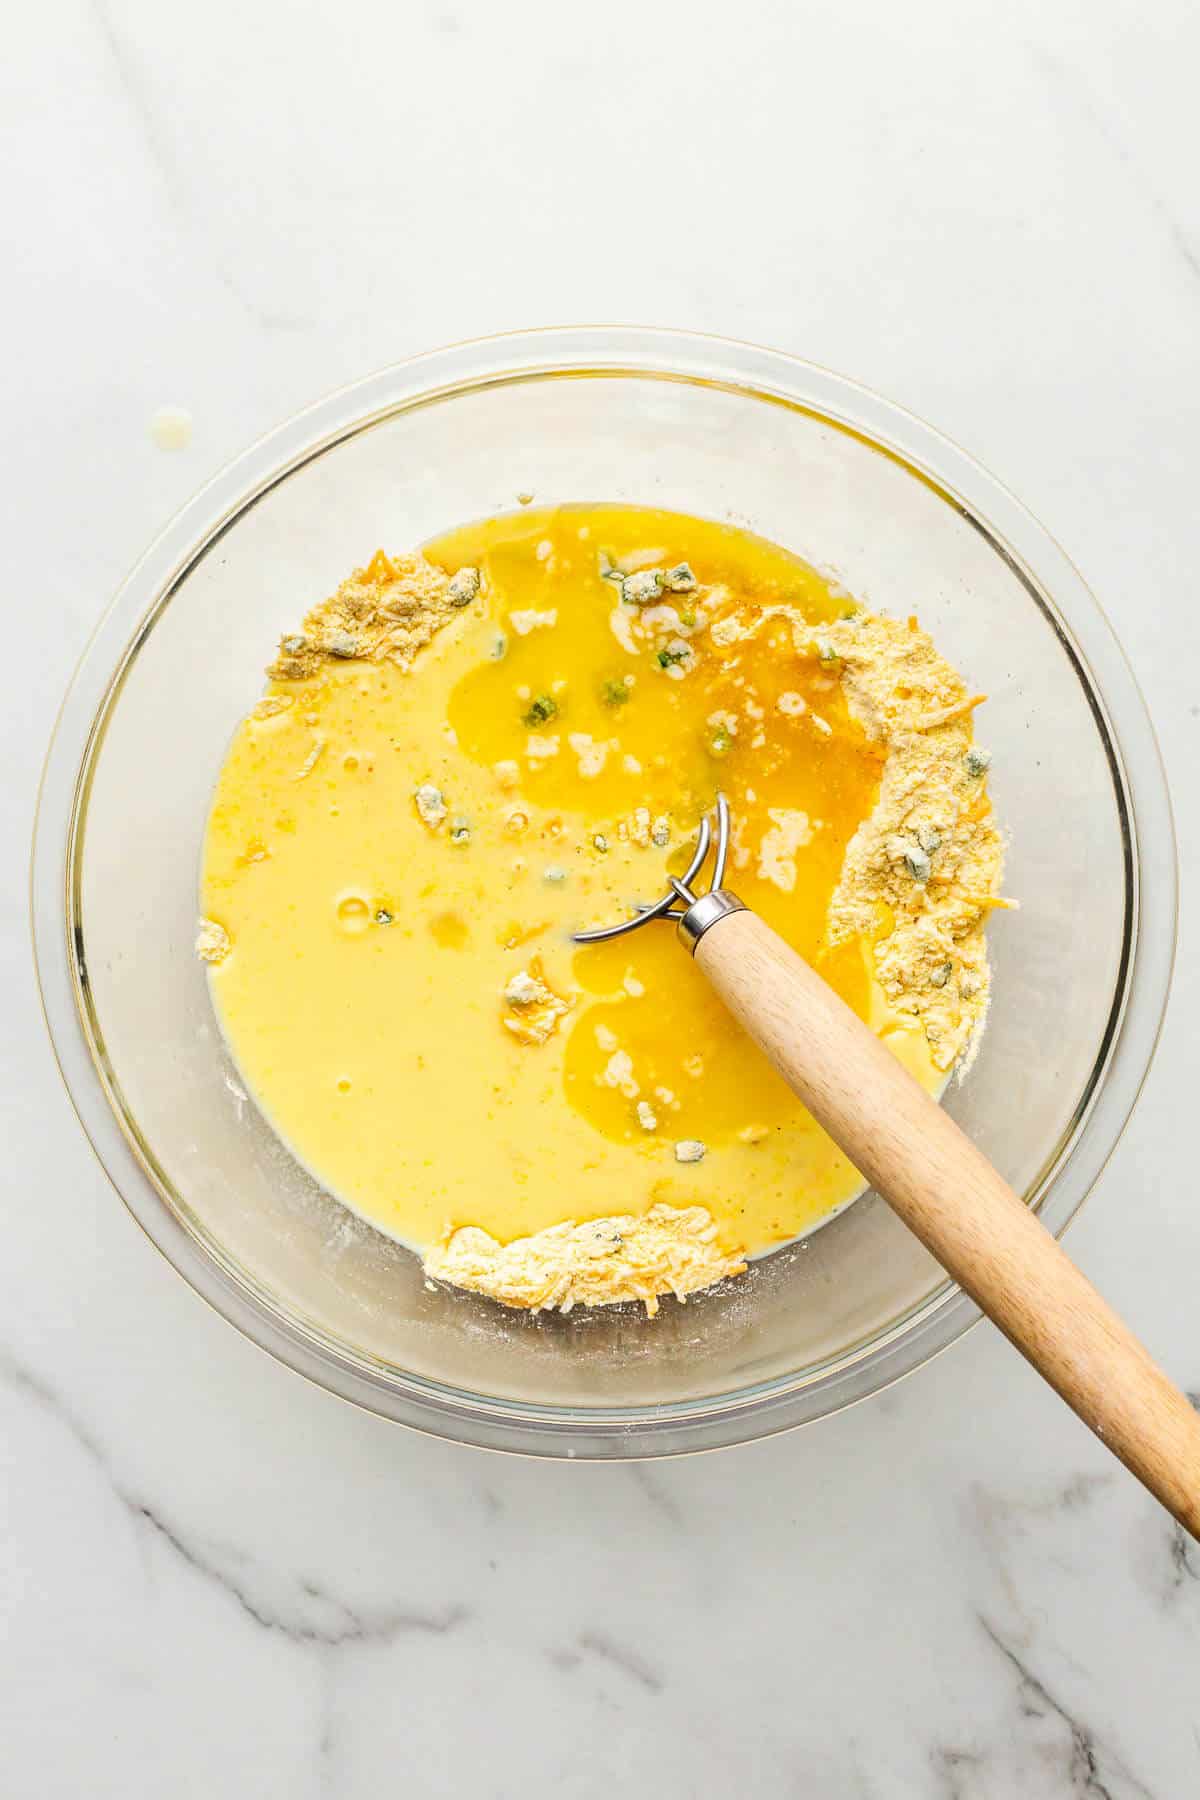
[405, 833]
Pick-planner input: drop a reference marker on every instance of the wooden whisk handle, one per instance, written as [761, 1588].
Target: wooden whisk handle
[948, 1193]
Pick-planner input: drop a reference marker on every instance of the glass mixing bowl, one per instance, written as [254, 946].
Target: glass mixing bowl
[908, 523]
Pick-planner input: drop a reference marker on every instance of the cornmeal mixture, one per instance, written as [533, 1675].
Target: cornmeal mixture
[466, 754]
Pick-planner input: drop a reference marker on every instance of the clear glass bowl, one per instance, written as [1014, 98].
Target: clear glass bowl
[908, 523]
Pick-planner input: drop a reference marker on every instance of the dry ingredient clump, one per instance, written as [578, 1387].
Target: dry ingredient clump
[212, 942]
[670, 1250]
[532, 1009]
[430, 805]
[386, 612]
[921, 874]
[464, 587]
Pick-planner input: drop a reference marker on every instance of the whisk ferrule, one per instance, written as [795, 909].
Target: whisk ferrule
[704, 913]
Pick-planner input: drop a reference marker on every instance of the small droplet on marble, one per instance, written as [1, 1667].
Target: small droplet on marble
[171, 428]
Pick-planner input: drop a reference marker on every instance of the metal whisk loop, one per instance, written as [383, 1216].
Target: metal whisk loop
[681, 887]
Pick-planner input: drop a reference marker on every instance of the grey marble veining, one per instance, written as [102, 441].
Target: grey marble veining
[215, 1579]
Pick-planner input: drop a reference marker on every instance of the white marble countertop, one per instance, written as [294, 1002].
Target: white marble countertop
[217, 1580]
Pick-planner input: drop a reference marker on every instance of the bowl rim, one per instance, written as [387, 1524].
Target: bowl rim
[1054, 583]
